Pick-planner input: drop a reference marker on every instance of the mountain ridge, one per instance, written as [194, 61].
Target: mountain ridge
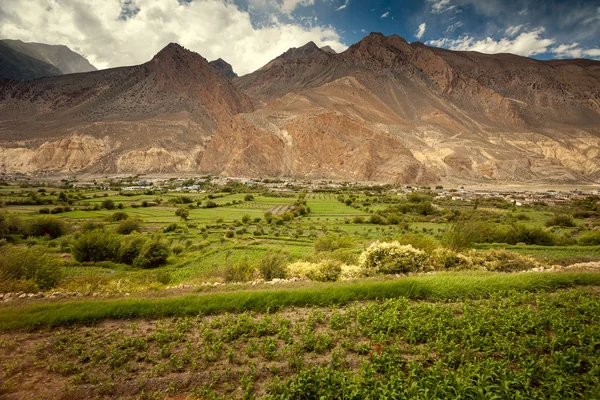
[383, 110]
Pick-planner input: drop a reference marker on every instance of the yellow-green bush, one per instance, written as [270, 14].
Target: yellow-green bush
[383, 258]
[323, 271]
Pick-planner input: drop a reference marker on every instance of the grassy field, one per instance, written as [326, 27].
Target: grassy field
[509, 344]
[392, 293]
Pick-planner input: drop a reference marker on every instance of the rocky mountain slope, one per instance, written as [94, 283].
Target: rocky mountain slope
[383, 110]
[63, 58]
[21, 67]
[24, 61]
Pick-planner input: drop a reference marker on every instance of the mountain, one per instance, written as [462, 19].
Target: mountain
[383, 110]
[63, 58]
[328, 49]
[21, 67]
[155, 117]
[224, 67]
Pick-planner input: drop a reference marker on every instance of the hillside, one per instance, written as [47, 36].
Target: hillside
[383, 110]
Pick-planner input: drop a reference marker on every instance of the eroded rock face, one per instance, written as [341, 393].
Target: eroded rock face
[69, 154]
[384, 110]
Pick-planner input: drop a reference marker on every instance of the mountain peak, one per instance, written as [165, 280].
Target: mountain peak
[298, 52]
[224, 67]
[328, 49]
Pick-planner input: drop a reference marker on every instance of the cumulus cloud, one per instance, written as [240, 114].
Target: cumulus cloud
[525, 44]
[385, 14]
[343, 5]
[113, 33]
[420, 31]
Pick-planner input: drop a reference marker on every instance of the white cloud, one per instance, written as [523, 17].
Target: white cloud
[282, 6]
[439, 6]
[343, 5]
[526, 44]
[420, 31]
[385, 14]
[513, 30]
[454, 26]
[574, 51]
[213, 28]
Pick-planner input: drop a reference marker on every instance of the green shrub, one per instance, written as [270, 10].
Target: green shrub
[238, 272]
[182, 213]
[47, 226]
[24, 265]
[96, 245]
[248, 197]
[170, 228]
[118, 216]
[591, 238]
[393, 258]
[91, 225]
[447, 259]
[333, 241]
[530, 235]
[419, 241]
[273, 266]
[501, 261]
[130, 249]
[465, 231]
[128, 226]
[154, 253]
[563, 220]
[108, 204]
[358, 220]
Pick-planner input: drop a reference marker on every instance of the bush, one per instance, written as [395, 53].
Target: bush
[239, 272]
[333, 241]
[128, 225]
[324, 271]
[47, 226]
[210, 204]
[248, 197]
[118, 216]
[530, 235]
[154, 253]
[465, 231]
[563, 220]
[501, 261]
[393, 258]
[109, 204]
[444, 259]
[91, 225]
[358, 220]
[130, 249]
[591, 238]
[351, 271]
[182, 213]
[273, 266]
[96, 245]
[419, 241]
[34, 265]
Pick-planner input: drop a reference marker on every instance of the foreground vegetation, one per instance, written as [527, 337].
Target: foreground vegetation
[508, 345]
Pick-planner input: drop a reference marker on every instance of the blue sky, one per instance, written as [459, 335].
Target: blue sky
[537, 28]
[250, 33]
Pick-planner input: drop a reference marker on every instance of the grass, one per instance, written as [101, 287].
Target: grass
[441, 286]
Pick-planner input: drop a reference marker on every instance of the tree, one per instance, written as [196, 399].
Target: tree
[248, 197]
